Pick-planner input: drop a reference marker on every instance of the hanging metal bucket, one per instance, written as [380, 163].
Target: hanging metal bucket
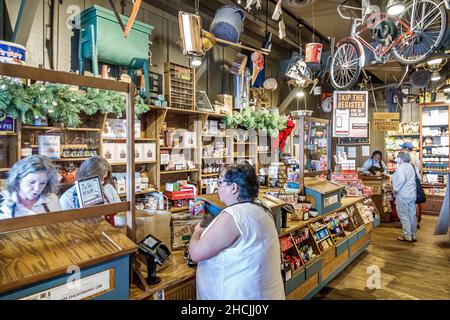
[228, 23]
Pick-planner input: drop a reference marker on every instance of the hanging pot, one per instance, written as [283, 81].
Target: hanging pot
[313, 53]
[228, 23]
[420, 78]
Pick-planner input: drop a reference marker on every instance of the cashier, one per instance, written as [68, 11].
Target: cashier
[30, 190]
[375, 164]
[94, 166]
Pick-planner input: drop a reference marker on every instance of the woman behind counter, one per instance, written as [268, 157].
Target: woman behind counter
[31, 187]
[375, 163]
[94, 166]
[238, 254]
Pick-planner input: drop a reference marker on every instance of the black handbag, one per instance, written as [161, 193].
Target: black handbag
[420, 194]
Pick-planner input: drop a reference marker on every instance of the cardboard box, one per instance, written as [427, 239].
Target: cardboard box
[227, 101]
[188, 139]
[156, 223]
[109, 152]
[121, 152]
[182, 230]
[139, 150]
[50, 146]
[149, 151]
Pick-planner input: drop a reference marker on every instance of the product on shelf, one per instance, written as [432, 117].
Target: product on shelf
[352, 213]
[306, 252]
[367, 210]
[335, 227]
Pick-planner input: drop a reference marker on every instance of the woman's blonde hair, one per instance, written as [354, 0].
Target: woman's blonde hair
[95, 166]
[32, 164]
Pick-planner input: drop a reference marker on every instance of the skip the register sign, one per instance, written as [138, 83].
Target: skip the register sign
[350, 114]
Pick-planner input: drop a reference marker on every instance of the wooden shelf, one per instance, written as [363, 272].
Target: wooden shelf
[244, 156]
[4, 169]
[403, 135]
[178, 171]
[177, 148]
[136, 162]
[64, 129]
[178, 209]
[69, 159]
[124, 139]
[220, 157]
[246, 143]
[138, 193]
[210, 175]
[214, 136]
[8, 133]
[179, 111]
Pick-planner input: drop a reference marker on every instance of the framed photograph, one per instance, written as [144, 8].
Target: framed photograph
[89, 192]
[202, 102]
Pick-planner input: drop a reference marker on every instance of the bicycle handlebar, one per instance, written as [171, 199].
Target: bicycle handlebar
[339, 7]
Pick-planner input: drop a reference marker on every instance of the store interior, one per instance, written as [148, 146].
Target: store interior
[322, 98]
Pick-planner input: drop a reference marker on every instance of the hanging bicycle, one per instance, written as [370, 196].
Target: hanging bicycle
[410, 38]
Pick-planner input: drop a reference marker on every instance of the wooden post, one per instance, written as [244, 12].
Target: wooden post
[301, 153]
[131, 215]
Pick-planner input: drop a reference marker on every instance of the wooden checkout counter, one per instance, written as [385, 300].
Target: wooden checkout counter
[37, 263]
[178, 279]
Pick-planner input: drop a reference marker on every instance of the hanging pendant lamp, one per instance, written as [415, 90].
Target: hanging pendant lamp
[395, 7]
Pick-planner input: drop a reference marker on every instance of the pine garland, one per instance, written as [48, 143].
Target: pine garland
[60, 103]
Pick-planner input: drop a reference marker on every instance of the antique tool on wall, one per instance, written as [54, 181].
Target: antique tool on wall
[239, 63]
[134, 12]
[119, 19]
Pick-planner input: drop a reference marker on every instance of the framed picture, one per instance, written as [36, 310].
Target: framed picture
[202, 102]
[89, 192]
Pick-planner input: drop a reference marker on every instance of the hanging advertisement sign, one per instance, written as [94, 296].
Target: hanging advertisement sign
[350, 114]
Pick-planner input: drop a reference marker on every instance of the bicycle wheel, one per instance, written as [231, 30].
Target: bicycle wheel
[345, 68]
[428, 23]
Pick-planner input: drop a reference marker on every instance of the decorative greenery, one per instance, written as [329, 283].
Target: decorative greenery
[16, 101]
[257, 120]
[61, 103]
[139, 106]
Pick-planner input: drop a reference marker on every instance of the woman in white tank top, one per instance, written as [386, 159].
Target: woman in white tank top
[238, 254]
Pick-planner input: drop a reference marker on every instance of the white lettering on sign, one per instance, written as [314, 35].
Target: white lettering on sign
[85, 288]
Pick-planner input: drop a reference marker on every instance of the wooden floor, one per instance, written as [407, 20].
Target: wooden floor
[418, 270]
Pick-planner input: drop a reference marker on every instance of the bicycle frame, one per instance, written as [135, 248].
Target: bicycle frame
[378, 54]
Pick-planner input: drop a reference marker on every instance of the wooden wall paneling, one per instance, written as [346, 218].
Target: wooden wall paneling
[175, 54]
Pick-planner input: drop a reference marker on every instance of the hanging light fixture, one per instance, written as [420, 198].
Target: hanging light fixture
[196, 61]
[395, 7]
[300, 94]
[435, 76]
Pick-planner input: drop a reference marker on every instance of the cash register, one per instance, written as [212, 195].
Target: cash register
[156, 252]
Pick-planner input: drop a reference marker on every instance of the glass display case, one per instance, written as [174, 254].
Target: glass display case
[314, 144]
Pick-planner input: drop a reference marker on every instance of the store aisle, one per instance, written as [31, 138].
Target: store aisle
[408, 271]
